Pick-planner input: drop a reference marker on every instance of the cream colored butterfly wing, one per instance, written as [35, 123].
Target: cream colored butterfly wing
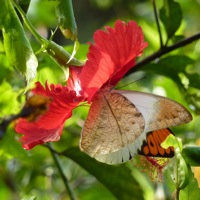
[118, 121]
[158, 112]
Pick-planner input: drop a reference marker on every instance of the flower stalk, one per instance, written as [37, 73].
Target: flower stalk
[64, 178]
[56, 51]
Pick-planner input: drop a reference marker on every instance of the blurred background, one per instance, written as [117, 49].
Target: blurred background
[32, 174]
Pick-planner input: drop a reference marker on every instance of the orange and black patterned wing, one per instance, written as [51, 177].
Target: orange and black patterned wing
[152, 145]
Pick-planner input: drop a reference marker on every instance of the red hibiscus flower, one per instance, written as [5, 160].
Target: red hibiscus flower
[48, 126]
[112, 56]
[109, 59]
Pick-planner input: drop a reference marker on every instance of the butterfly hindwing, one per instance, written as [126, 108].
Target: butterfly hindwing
[152, 145]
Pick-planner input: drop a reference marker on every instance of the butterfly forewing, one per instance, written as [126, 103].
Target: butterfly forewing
[110, 124]
[158, 112]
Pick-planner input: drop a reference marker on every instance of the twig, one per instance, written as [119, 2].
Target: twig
[64, 178]
[177, 194]
[164, 51]
[157, 23]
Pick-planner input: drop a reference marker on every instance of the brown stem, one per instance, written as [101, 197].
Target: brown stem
[164, 51]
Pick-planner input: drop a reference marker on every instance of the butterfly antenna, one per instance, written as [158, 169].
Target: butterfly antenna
[133, 82]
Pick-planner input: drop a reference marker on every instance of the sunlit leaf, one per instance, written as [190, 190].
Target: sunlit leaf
[115, 178]
[8, 100]
[172, 141]
[66, 19]
[81, 50]
[16, 44]
[6, 69]
[75, 49]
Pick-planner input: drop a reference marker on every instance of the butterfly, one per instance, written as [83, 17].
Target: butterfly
[122, 123]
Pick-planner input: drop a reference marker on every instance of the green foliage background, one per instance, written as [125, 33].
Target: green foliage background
[176, 74]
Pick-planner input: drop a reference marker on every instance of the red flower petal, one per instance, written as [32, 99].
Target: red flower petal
[74, 83]
[34, 135]
[112, 55]
[48, 126]
[60, 108]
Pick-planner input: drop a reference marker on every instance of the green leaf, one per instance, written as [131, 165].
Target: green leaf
[24, 4]
[3, 13]
[11, 147]
[37, 15]
[171, 16]
[6, 69]
[115, 178]
[191, 191]
[29, 198]
[169, 178]
[16, 44]
[171, 141]
[66, 19]
[81, 52]
[170, 66]
[194, 80]
[192, 155]
[181, 168]
[58, 53]
[8, 100]
[177, 38]
[75, 49]
[182, 172]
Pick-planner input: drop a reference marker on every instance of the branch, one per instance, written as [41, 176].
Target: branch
[64, 178]
[157, 23]
[164, 51]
